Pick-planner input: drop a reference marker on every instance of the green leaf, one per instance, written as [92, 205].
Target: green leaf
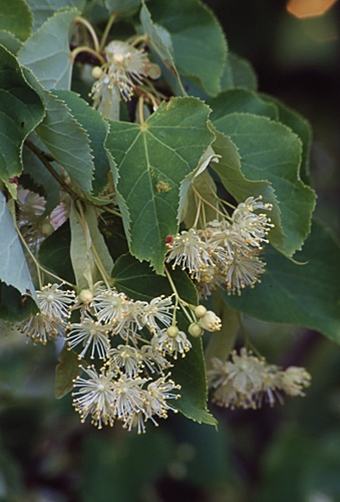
[120, 7]
[54, 253]
[21, 112]
[13, 267]
[159, 40]
[10, 42]
[13, 306]
[197, 38]
[297, 124]
[153, 160]
[66, 371]
[241, 100]
[64, 137]
[229, 170]
[97, 129]
[43, 9]
[47, 52]
[271, 152]
[16, 18]
[238, 72]
[304, 295]
[139, 282]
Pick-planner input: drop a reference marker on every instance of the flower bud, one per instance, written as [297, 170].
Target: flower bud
[85, 296]
[46, 229]
[210, 322]
[200, 311]
[195, 330]
[96, 72]
[172, 331]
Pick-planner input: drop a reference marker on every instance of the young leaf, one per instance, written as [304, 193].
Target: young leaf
[153, 160]
[16, 18]
[189, 372]
[271, 152]
[96, 128]
[21, 112]
[64, 137]
[66, 371]
[47, 52]
[198, 41]
[304, 295]
[13, 267]
[43, 9]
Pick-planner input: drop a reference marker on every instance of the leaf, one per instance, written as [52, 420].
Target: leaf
[271, 152]
[139, 282]
[197, 38]
[229, 170]
[43, 9]
[297, 124]
[16, 18]
[153, 160]
[304, 295]
[10, 42]
[54, 253]
[159, 40]
[13, 306]
[96, 128]
[120, 7]
[66, 371]
[13, 267]
[64, 137]
[21, 112]
[47, 52]
[237, 73]
[241, 100]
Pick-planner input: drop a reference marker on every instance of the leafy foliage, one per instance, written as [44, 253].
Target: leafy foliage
[104, 205]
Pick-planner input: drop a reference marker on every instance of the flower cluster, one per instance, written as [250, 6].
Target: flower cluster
[247, 381]
[135, 342]
[226, 251]
[51, 321]
[125, 68]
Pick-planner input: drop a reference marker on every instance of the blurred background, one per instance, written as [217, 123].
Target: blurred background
[288, 453]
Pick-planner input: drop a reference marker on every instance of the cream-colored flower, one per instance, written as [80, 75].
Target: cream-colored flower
[92, 335]
[210, 321]
[171, 341]
[94, 396]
